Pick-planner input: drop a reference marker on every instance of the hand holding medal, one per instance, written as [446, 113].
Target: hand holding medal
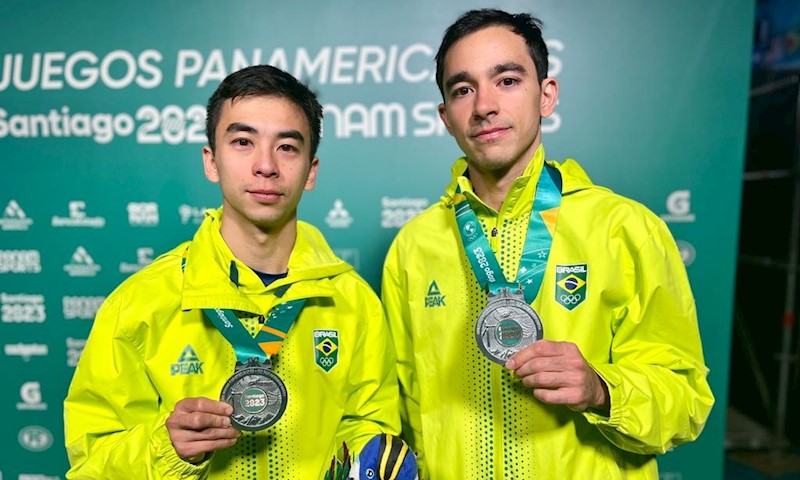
[198, 426]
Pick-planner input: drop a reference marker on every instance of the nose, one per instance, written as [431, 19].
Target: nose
[485, 103]
[264, 164]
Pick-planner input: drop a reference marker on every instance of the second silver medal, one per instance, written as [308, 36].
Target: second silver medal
[507, 325]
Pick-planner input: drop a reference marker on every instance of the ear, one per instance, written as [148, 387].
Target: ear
[549, 96]
[311, 181]
[210, 165]
[443, 116]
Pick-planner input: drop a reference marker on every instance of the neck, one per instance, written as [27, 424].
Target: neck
[489, 188]
[265, 250]
[492, 185]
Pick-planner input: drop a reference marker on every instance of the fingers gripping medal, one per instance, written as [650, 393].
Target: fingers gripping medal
[507, 325]
[257, 394]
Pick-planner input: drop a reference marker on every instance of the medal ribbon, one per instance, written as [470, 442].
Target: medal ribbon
[267, 341]
[538, 240]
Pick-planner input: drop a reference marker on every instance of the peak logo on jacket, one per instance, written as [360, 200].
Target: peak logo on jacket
[434, 297]
[188, 363]
[571, 284]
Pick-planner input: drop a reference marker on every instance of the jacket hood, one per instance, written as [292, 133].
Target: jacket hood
[215, 278]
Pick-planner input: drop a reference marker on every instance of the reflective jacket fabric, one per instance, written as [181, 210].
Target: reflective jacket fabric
[629, 309]
[151, 346]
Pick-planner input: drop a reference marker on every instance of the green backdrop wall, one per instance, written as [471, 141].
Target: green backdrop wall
[101, 129]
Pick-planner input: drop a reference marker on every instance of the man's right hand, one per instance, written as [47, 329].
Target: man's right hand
[199, 426]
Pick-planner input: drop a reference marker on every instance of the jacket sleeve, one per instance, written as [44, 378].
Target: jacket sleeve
[394, 296]
[372, 403]
[659, 394]
[113, 428]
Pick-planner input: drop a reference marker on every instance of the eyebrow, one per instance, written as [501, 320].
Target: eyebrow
[295, 134]
[243, 127]
[457, 78]
[464, 76]
[507, 67]
[236, 127]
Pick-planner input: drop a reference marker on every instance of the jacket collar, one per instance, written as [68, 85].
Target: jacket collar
[518, 201]
[214, 278]
[521, 188]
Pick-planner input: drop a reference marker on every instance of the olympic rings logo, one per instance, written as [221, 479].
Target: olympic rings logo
[327, 361]
[570, 299]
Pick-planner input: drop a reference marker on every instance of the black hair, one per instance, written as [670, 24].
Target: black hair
[265, 80]
[524, 25]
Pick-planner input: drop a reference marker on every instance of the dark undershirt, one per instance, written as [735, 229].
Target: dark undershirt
[268, 278]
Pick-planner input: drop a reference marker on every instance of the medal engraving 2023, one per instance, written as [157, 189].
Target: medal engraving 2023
[257, 394]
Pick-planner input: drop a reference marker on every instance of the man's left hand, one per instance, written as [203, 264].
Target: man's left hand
[559, 375]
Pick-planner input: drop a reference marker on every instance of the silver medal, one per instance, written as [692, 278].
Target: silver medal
[257, 394]
[506, 326]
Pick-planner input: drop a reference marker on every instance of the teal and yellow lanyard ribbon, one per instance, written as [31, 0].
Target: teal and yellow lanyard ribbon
[538, 240]
[268, 340]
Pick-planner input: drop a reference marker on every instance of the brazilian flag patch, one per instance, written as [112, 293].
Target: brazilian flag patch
[326, 348]
[571, 284]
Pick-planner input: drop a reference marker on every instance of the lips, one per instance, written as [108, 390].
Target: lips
[265, 194]
[489, 134]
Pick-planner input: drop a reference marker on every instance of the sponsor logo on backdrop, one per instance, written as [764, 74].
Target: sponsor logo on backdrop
[14, 218]
[25, 350]
[143, 214]
[397, 211]
[35, 476]
[688, 253]
[31, 395]
[74, 350]
[670, 476]
[679, 207]
[20, 261]
[191, 214]
[83, 308]
[22, 308]
[77, 217]
[35, 438]
[144, 257]
[188, 363]
[82, 264]
[338, 216]
[434, 297]
[349, 255]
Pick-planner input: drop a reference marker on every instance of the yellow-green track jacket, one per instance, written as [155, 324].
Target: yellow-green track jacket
[152, 346]
[629, 308]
